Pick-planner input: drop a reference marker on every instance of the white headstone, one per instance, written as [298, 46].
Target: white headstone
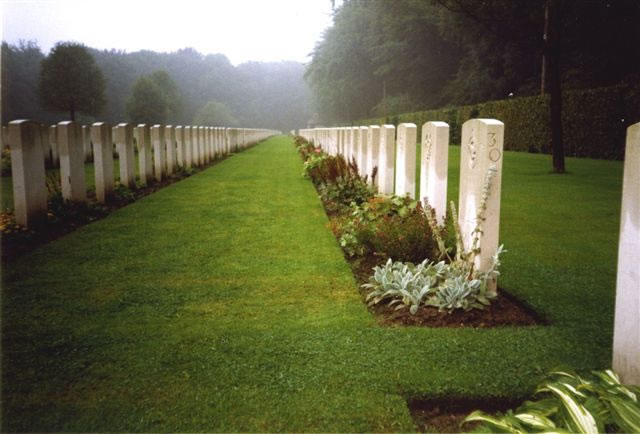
[626, 333]
[159, 152]
[126, 156]
[195, 146]
[145, 158]
[102, 160]
[170, 136]
[434, 162]
[480, 165]
[364, 151]
[188, 149]
[357, 149]
[373, 153]
[406, 160]
[27, 173]
[180, 145]
[386, 173]
[202, 154]
[71, 148]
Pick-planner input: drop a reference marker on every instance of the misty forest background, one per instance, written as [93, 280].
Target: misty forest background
[380, 58]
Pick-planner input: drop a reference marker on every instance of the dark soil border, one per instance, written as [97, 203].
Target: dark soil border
[505, 310]
[445, 415]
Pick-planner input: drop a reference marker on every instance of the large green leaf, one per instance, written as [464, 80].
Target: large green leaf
[625, 413]
[581, 419]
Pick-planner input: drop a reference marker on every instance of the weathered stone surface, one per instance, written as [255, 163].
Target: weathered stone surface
[170, 137]
[356, 150]
[364, 151]
[202, 155]
[159, 152]
[373, 154]
[406, 160]
[195, 146]
[626, 335]
[179, 130]
[124, 145]
[27, 172]
[145, 158]
[102, 160]
[188, 148]
[480, 162]
[386, 171]
[434, 163]
[72, 178]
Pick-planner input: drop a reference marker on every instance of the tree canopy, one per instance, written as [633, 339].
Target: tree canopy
[148, 103]
[381, 57]
[216, 114]
[71, 81]
[259, 94]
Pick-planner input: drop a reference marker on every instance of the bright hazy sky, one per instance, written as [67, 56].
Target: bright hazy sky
[260, 30]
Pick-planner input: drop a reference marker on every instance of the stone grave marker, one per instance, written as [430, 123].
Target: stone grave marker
[386, 173]
[27, 172]
[406, 160]
[145, 155]
[71, 148]
[159, 152]
[373, 153]
[434, 162]
[126, 155]
[626, 333]
[170, 136]
[481, 173]
[180, 146]
[103, 160]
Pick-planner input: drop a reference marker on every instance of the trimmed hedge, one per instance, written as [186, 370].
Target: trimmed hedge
[594, 121]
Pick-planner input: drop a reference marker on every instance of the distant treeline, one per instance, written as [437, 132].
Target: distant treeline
[260, 95]
[382, 57]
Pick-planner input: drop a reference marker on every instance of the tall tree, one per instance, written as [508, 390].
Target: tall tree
[215, 113]
[148, 103]
[71, 81]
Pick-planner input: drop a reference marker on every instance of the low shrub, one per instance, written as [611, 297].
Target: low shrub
[452, 283]
[569, 403]
[447, 286]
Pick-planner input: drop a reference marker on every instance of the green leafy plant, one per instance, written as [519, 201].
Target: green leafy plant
[441, 285]
[461, 286]
[342, 194]
[569, 403]
[312, 164]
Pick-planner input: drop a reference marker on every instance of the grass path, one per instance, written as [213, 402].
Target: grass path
[223, 303]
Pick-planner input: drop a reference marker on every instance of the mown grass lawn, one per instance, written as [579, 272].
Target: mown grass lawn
[223, 303]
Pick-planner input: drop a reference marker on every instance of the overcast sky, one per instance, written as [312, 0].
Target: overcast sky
[260, 30]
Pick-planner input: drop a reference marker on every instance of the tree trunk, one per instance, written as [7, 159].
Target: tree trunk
[543, 75]
[552, 56]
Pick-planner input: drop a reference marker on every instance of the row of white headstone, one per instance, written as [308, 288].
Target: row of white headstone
[482, 148]
[393, 157]
[161, 150]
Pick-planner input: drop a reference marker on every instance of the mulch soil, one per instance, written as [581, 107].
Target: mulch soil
[445, 415]
[505, 310]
